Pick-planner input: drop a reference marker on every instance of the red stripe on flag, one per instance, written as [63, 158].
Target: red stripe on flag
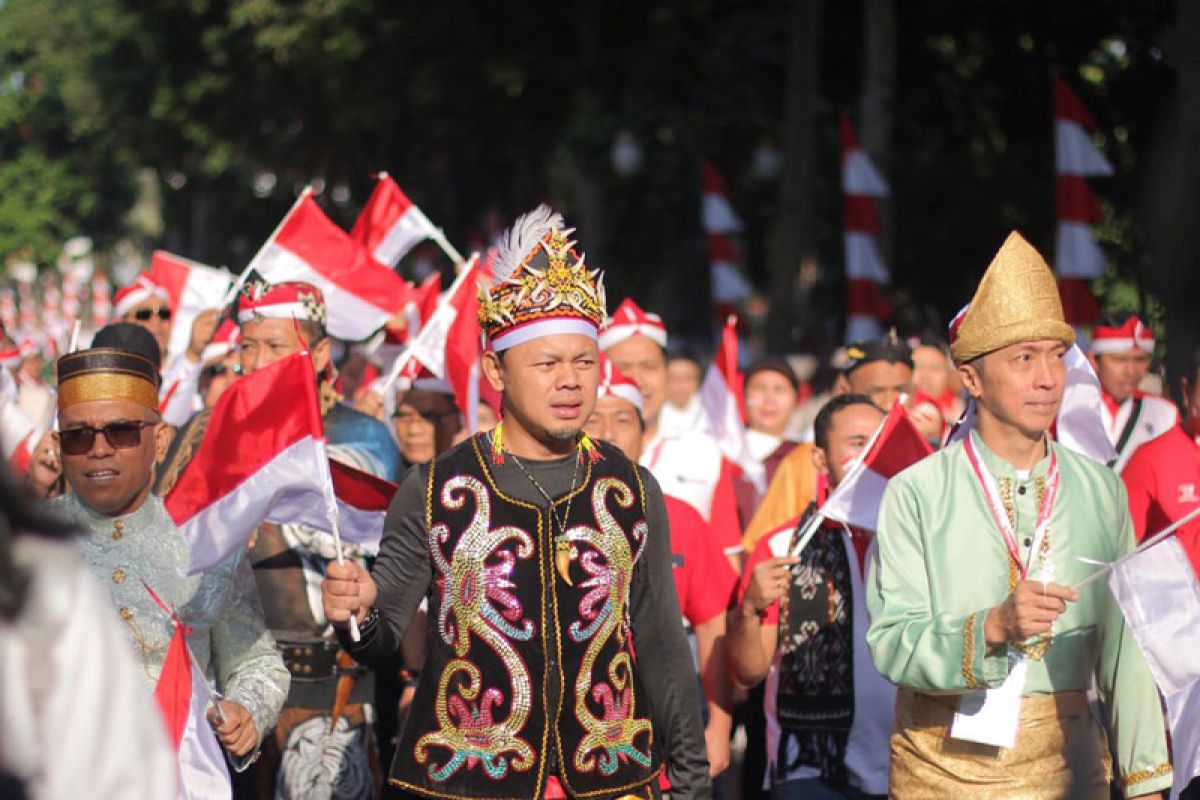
[173, 692]
[1075, 200]
[899, 446]
[861, 213]
[361, 489]
[726, 363]
[387, 204]
[315, 239]
[711, 180]
[848, 140]
[865, 297]
[1079, 304]
[256, 419]
[1068, 106]
[720, 248]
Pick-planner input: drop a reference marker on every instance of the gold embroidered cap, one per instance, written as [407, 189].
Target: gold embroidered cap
[540, 285]
[107, 373]
[1017, 301]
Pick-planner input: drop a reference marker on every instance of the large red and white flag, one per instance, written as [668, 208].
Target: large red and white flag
[1077, 257]
[191, 288]
[263, 457]
[183, 699]
[1158, 589]
[866, 272]
[721, 399]
[390, 224]
[896, 445]
[361, 294]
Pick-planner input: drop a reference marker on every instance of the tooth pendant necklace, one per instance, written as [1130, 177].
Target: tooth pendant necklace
[562, 545]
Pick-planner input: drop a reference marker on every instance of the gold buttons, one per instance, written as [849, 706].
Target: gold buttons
[126, 614]
[118, 575]
[118, 529]
[307, 669]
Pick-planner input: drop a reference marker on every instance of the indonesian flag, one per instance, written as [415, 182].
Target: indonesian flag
[866, 274]
[429, 346]
[183, 699]
[362, 503]
[464, 347]
[191, 287]
[263, 457]
[361, 294]
[390, 224]
[1158, 589]
[721, 399]
[896, 445]
[1078, 258]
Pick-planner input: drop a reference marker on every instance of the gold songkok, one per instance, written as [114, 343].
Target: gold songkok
[1017, 301]
[106, 373]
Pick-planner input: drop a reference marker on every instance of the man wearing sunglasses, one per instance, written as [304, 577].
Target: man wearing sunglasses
[109, 427]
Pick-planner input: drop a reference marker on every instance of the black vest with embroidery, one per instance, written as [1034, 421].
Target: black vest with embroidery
[506, 629]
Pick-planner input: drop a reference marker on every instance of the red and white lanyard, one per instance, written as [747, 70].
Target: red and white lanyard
[992, 492]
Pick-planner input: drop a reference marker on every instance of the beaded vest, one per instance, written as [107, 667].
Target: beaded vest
[530, 668]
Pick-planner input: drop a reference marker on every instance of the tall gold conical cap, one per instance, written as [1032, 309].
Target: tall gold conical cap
[1017, 301]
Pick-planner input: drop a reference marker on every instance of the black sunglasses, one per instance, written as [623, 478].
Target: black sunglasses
[144, 314]
[122, 435]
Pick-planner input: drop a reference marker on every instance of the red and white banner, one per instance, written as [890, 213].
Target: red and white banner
[1078, 259]
[866, 272]
[721, 399]
[390, 224]
[896, 445]
[191, 287]
[263, 457]
[361, 294]
[362, 502]
[1158, 590]
[183, 699]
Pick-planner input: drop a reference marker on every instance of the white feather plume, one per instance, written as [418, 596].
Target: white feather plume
[521, 238]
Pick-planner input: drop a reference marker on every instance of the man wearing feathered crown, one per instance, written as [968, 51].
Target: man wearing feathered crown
[972, 611]
[545, 560]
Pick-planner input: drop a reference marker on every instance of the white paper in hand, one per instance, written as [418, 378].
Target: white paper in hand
[991, 716]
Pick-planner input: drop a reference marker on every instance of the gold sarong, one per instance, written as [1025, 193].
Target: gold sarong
[1061, 752]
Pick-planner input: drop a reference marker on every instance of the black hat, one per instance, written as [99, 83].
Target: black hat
[123, 365]
[889, 349]
[774, 365]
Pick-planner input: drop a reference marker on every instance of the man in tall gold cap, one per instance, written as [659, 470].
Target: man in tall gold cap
[972, 611]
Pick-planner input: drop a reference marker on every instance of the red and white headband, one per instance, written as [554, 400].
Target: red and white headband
[628, 320]
[1133, 335]
[617, 383]
[142, 289]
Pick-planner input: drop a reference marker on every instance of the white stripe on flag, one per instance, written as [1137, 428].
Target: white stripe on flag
[859, 505]
[859, 176]
[1074, 153]
[1076, 254]
[863, 261]
[202, 771]
[406, 232]
[288, 488]
[1159, 592]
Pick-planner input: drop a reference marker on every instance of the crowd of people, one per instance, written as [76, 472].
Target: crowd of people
[585, 596]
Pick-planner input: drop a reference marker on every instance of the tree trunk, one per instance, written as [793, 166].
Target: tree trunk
[875, 106]
[1175, 204]
[790, 239]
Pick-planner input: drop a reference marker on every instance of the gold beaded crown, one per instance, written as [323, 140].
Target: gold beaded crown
[540, 285]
